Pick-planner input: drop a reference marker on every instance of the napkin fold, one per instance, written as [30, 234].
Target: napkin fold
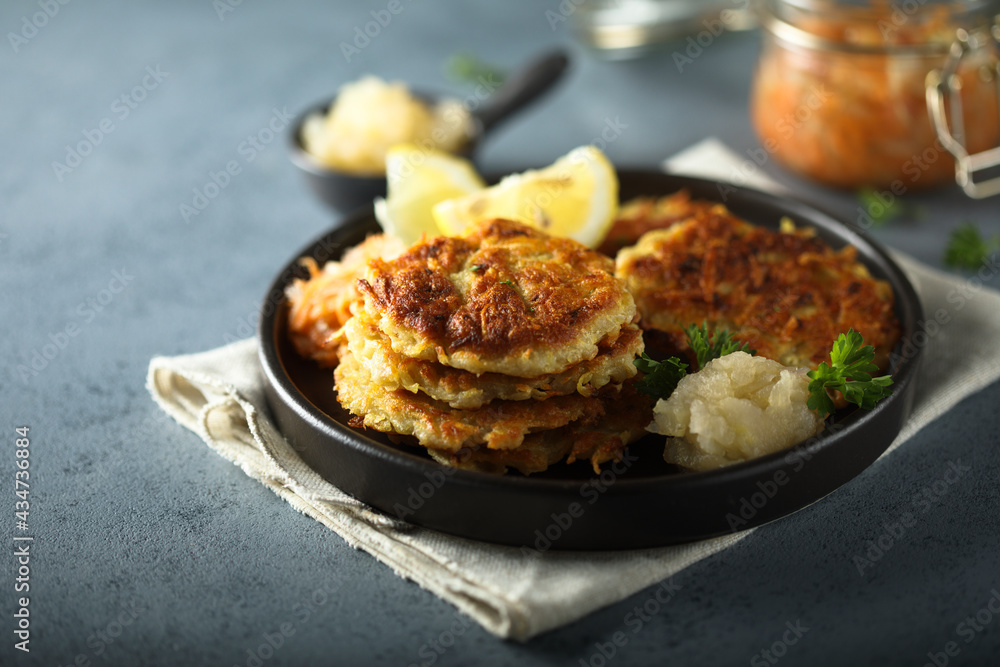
[219, 394]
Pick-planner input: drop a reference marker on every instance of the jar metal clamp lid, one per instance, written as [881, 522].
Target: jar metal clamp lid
[943, 96]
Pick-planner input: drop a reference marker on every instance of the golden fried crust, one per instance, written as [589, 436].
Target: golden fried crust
[643, 214]
[579, 441]
[601, 441]
[788, 295]
[505, 298]
[497, 425]
[462, 389]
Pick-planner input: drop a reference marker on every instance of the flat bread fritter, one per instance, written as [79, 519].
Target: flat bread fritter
[462, 389]
[786, 293]
[505, 298]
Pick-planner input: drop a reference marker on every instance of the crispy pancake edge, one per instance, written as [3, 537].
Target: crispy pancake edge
[505, 299]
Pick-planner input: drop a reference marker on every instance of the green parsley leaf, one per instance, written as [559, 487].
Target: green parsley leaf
[882, 207]
[707, 347]
[849, 372]
[661, 377]
[875, 205]
[967, 249]
[467, 67]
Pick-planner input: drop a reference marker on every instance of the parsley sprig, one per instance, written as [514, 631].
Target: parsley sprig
[707, 347]
[661, 377]
[469, 68]
[848, 372]
[883, 207]
[967, 249]
[878, 211]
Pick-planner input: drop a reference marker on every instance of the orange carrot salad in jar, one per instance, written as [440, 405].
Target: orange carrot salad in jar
[839, 92]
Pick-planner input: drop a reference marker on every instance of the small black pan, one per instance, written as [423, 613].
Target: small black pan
[343, 191]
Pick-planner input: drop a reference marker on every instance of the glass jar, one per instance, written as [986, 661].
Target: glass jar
[842, 90]
[623, 29]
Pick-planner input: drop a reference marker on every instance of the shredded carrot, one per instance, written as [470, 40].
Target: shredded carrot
[320, 305]
[860, 119]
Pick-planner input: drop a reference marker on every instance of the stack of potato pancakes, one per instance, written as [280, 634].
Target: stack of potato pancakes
[502, 348]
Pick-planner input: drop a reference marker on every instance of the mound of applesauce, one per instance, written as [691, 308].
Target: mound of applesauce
[370, 115]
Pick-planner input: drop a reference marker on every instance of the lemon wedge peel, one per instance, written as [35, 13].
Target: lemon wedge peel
[574, 197]
[417, 178]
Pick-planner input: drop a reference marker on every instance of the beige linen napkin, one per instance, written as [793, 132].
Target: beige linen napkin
[219, 395]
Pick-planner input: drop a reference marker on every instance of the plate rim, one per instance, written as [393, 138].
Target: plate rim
[907, 305]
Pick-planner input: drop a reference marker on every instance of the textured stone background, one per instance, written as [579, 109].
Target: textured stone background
[138, 523]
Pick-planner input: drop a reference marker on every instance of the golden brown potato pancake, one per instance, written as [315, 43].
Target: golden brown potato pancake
[643, 214]
[528, 435]
[505, 298]
[436, 425]
[462, 389]
[598, 438]
[786, 293]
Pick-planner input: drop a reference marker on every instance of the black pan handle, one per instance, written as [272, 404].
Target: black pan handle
[522, 88]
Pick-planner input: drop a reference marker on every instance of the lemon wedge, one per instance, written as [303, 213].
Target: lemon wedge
[416, 179]
[575, 197]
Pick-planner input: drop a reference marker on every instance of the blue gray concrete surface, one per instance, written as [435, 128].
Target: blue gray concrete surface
[150, 549]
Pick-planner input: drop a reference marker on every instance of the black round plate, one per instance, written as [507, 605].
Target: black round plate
[635, 503]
